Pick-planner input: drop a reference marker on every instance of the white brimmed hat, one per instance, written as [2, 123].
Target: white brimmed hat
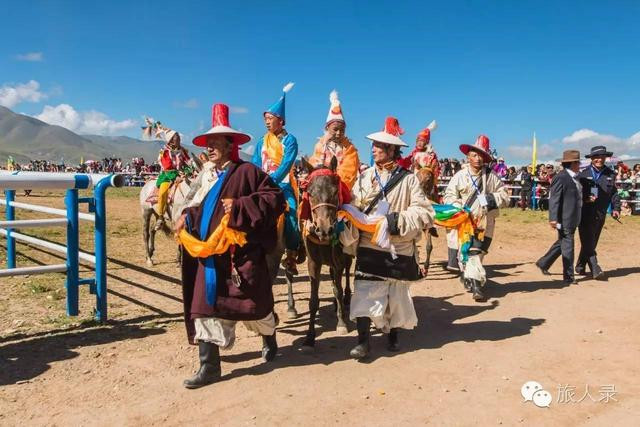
[220, 123]
[390, 134]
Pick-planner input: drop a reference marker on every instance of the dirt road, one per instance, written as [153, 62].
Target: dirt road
[464, 364]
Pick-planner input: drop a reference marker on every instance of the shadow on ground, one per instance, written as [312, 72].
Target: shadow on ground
[439, 325]
[31, 356]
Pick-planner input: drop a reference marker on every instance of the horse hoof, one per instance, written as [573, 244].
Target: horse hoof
[149, 263]
[342, 330]
[292, 313]
[307, 349]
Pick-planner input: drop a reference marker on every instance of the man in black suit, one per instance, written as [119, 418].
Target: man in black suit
[599, 191]
[565, 206]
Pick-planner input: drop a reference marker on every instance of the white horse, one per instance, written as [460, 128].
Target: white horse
[182, 193]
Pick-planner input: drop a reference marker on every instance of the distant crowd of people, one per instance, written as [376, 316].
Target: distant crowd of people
[527, 189]
[136, 166]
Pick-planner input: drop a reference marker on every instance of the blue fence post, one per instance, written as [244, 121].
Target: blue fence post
[100, 234]
[10, 196]
[71, 203]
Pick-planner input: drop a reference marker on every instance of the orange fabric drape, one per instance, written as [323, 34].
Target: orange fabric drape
[348, 161]
[216, 244]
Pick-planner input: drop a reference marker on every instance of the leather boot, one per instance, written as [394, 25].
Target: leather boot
[596, 271]
[269, 347]
[209, 371]
[361, 350]
[393, 340]
[476, 290]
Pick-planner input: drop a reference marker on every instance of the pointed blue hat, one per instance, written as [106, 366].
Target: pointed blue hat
[277, 109]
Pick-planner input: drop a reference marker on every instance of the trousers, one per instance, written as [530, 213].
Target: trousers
[563, 246]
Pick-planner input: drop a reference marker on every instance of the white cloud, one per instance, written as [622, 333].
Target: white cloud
[87, 122]
[10, 96]
[189, 103]
[30, 57]
[239, 110]
[584, 139]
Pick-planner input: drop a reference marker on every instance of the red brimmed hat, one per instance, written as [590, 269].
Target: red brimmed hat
[220, 123]
[481, 146]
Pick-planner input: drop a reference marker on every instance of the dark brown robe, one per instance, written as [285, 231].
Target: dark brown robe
[257, 204]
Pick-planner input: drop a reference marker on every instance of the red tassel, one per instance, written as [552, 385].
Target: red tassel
[392, 126]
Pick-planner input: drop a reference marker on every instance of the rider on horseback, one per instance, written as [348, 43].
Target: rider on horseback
[334, 143]
[275, 154]
[174, 161]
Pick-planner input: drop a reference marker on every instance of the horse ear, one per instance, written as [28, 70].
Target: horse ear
[306, 165]
[334, 164]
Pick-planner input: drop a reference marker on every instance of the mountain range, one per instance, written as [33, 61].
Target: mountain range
[27, 138]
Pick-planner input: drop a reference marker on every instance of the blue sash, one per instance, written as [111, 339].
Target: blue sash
[208, 207]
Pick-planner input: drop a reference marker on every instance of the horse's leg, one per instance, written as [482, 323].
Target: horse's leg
[152, 236]
[314, 277]
[341, 327]
[347, 276]
[146, 222]
[292, 313]
[429, 248]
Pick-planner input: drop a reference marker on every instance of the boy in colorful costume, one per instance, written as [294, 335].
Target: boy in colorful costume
[173, 159]
[391, 196]
[226, 232]
[275, 154]
[334, 143]
[423, 155]
[479, 190]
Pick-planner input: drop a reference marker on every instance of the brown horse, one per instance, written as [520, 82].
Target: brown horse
[320, 238]
[429, 184]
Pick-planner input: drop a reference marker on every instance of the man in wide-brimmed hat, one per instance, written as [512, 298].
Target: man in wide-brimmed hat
[565, 204]
[225, 233]
[599, 192]
[477, 188]
[389, 193]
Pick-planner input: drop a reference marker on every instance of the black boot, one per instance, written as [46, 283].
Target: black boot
[269, 347]
[596, 271]
[580, 270]
[476, 290]
[362, 349]
[209, 371]
[393, 340]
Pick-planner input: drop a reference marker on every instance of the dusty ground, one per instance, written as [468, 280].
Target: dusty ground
[463, 365]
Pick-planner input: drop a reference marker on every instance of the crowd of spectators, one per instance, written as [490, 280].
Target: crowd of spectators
[528, 189]
[136, 166]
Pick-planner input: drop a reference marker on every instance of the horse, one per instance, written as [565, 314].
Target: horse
[320, 241]
[182, 193]
[428, 183]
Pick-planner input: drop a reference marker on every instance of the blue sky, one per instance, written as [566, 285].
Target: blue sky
[568, 70]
